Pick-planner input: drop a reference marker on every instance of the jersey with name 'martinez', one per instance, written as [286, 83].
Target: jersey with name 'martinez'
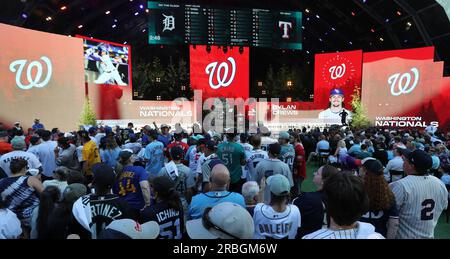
[270, 224]
[420, 201]
[255, 156]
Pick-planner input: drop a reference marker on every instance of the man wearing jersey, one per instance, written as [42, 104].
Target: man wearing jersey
[131, 184]
[93, 212]
[154, 154]
[336, 110]
[420, 197]
[244, 137]
[254, 157]
[299, 173]
[180, 175]
[233, 157]
[18, 145]
[207, 164]
[272, 166]
[266, 140]
[287, 153]
[279, 220]
[177, 143]
[167, 211]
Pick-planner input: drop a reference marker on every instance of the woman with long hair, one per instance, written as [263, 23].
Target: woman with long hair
[39, 222]
[383, 212]
[167, 203]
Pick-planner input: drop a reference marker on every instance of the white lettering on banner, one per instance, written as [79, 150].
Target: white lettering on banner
[337, 71]
[403, 122]
[285, 26]
[36, 82]
[169, 23]
[402, 84]
[221, 81]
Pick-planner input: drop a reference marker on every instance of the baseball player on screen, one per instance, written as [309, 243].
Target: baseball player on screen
[336, 112]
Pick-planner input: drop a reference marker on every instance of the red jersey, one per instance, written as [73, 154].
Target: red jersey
[300, 161]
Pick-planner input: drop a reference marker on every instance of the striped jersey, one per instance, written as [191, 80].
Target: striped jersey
[420, 201]
[270, 224]
[362, 231]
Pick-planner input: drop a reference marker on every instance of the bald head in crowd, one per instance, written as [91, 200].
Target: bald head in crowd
[220, 178]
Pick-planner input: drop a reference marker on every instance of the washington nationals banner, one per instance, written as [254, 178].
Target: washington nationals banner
[220, 72]
[41, 77]
[336, 70]
[402, 88]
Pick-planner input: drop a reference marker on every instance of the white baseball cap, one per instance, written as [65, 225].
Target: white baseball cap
[132, 229]
[224, 221]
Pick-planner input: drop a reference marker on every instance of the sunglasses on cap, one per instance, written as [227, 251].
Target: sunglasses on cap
[208, 224]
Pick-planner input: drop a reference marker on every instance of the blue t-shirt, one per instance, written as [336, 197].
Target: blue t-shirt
[312, 210]
[154, 152]
[165, 139]
[203, 200]
[38, 126]
[110, 156]
[128, 186]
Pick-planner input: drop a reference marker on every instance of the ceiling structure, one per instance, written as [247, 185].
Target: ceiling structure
[329, 25]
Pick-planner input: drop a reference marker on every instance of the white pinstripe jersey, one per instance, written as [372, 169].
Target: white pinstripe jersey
[420, 201]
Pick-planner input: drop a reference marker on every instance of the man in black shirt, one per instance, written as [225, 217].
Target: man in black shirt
[93, 212]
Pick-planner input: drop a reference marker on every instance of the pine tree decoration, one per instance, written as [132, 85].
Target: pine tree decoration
[359, 118]
[88, 115]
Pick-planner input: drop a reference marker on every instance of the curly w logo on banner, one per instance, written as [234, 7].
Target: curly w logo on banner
[336, 70]
[32, 81]
[220, 73]
[223, 80]
[403, 84]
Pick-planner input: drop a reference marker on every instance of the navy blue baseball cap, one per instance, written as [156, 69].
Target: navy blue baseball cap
[337, 91]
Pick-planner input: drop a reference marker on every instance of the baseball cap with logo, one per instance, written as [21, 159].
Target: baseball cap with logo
[420, 159]
[337, 91]
[18, 143]
[226, 220]
[278, 184]
[128, 228]
[104, 175]
[284, 135]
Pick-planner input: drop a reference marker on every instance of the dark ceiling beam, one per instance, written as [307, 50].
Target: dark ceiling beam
[94, 14]
[420, 26]
[380, 20]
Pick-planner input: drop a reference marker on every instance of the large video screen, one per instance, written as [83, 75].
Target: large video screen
[404, 88]
[171, 23]
[220, 73]
[41, 77]
[106, 62]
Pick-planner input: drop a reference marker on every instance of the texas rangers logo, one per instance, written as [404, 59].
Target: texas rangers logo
[169, 23]
[337, 71]
[285, 26]
[18, 66]
[402, 84]
[223, 79]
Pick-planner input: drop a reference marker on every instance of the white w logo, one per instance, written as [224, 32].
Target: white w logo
[337, 71]
[36, 82]
[403, 85]
[221, 79]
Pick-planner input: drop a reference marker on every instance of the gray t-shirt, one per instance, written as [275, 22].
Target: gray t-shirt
[184, 181]
[68, 158]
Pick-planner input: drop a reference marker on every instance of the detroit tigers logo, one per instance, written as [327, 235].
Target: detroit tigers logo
[223, 79]
[402, 84]
[337, 71]
[285, 26]
[169, 23]
[18, 66]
